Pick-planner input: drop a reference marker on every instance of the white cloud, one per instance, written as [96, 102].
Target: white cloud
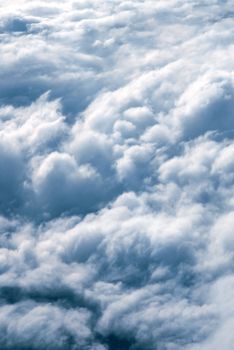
[116, 174]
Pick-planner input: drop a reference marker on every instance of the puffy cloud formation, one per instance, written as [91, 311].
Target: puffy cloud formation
[117, 175]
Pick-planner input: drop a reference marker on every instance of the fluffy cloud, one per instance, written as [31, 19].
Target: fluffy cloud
[117, 170]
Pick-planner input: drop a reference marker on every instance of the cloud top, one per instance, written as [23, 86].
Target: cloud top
[117, 172]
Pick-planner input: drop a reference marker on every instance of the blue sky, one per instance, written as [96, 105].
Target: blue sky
[116, 175]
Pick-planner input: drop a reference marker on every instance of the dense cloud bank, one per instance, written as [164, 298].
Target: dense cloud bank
[117, 173]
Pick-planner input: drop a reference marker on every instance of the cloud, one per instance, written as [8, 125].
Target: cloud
[116, 175]
[60, 184]
[139, 270]
[43, 327]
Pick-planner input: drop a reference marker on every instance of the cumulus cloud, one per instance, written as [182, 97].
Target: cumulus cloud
[117, 172]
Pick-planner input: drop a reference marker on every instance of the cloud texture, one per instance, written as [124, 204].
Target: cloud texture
[116, 175]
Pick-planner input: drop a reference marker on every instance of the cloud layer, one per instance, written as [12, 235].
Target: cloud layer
[117, 173]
